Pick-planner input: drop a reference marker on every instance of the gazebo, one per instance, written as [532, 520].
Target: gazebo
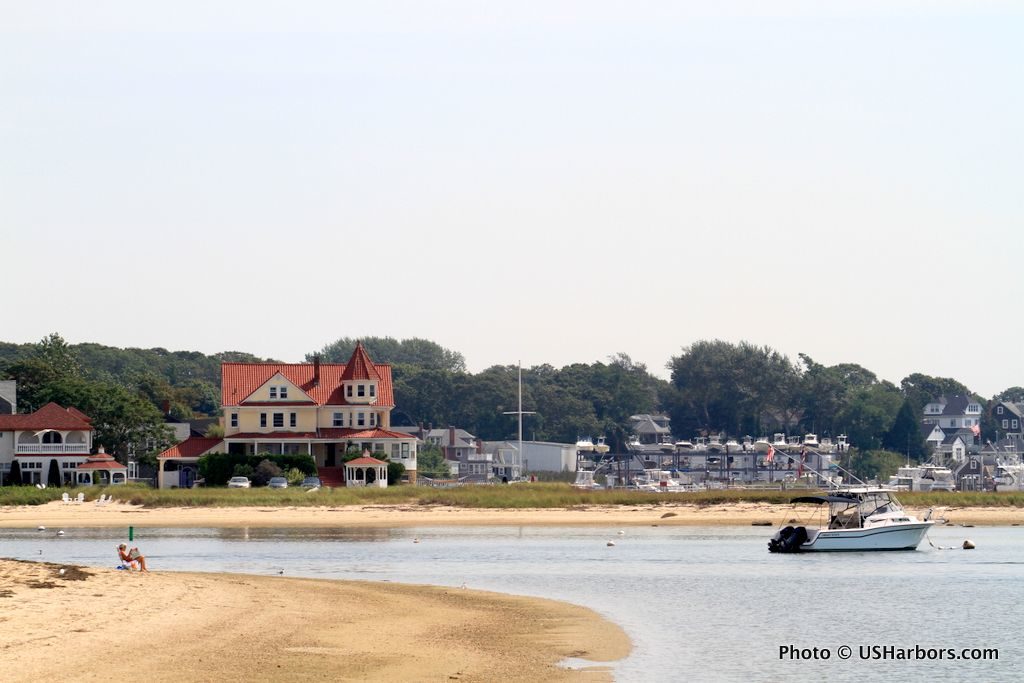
[366, 471]
[101, 469]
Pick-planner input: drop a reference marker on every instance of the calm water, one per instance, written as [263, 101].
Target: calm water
[699, 603]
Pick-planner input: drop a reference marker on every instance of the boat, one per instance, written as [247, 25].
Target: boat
[634, 444]
[667, 445]
[601, 446]
[762, 445]
[927, 477]
[811, 441]
[684, 445]
[779, 441]
[842, 444]
[1009, 476]
[858, 519]
[715, 444]
[584, 444]
[664, 481]
[826, 445]
[733, 446]
[585, 481]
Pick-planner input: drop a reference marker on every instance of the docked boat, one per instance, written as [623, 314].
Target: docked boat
[762, 445]
[664, 481]
[683, 445]
[585, 481]
[584, 444]
[667, 445]
[826, 445]
[601, 446]
[1009, 476]
[715, 444]
[858, 519]
[927, 477]
[779, 441]
[733, 446]
[634, 444]
[811, 441]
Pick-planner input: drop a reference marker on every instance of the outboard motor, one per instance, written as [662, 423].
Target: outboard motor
[788, 540]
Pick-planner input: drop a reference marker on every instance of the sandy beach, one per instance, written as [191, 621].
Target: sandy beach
[57, 514]
[93, 624]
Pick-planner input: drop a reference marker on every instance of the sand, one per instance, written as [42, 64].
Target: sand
[57, 514]
[91, 624]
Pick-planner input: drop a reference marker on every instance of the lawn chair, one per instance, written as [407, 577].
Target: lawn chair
[102, 500]
[80, 499]
[65, 498]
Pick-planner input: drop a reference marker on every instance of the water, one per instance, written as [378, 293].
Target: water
[698, 603]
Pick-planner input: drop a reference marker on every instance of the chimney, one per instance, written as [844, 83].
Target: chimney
[479, 445]
[316, 369]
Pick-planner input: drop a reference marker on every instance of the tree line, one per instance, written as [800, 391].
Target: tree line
[715, 386]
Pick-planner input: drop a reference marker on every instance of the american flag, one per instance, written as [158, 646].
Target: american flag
[770, 457]
[976, 429]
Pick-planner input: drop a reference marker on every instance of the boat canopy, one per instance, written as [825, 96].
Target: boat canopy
[821, 500]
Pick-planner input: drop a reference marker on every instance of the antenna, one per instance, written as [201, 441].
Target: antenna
[520, 413]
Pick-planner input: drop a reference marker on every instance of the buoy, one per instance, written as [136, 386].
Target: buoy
[42, 528]
[61, 572]
[60, 533]
[968, 544]
[610, 543]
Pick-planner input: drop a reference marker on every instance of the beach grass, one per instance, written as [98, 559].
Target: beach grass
[512, 496]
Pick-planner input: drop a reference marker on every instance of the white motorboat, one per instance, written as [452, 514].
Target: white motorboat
[842, 443]
[601, 446]
[733, 446]
[811, 441]
[1009, 476]
[584, 444]
[662, 481]
[779, 441]
[925, 477]
[826, 445]
[667, 445]
[762, 445]
[634, 444]
[715, 444]
[684, 445]
[858, 519]
[585, 481]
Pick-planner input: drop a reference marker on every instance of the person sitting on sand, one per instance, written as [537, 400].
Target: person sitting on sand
[131, 558]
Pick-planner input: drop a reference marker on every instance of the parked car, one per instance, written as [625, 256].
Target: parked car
[278, 483]
[311, 483]
[239, 483]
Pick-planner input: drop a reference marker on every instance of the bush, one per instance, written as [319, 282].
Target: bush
[265, 471]
[217, 468]
[395, 472]
[241, 471]
[295, 476]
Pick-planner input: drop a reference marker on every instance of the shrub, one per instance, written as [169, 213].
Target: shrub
[264, 472]
[217, 468]
[241, 471]
[295, 476]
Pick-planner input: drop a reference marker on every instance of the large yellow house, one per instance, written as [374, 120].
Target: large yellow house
[320, 409]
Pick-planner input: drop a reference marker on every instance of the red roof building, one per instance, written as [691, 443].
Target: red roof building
[321, 409]
[50, 433]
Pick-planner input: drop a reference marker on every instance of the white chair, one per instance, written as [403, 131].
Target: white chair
[80, 499]
[102, 500]
[65, 498]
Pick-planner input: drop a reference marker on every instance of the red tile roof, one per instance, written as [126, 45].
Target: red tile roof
[366, 460]
[239, 380]
[50, 416]
[192, 447]
[359, 366]
[375, 434]
[335, 433]
[101, 461]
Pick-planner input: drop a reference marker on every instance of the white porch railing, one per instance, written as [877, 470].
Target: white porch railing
[27, 448]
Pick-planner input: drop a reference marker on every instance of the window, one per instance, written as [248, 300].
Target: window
[234, 419]
[263, 419]
[361, 419]
[292, 420]
[283, 392]
[999, 410]
[373, 390]
[378, 447]
[273, 392]
[339, 420]
[394, 450]
[1013, 423]
[1006, 424]
[373, 419]
[279, 419]
[405, 450]
[348, 391]
[361, 390]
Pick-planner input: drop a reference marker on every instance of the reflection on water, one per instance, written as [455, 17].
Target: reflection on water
[699, 603]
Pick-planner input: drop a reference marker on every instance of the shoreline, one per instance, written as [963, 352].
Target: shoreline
[661, 514]
[173, 626]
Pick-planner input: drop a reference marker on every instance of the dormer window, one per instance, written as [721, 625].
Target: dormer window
[283, 392]
[361, 390]
[348, 391]
[373, 390]
[273, 392]
[999, 410]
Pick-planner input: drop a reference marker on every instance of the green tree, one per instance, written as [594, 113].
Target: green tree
[418, 352]
[14, 477]
[874, 464]
[923, 389]
[430, 463]
[905, 434]
[53, 477]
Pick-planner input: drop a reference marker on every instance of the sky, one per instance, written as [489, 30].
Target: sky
[518, 181]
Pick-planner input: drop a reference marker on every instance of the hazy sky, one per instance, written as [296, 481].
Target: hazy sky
[548, 181]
